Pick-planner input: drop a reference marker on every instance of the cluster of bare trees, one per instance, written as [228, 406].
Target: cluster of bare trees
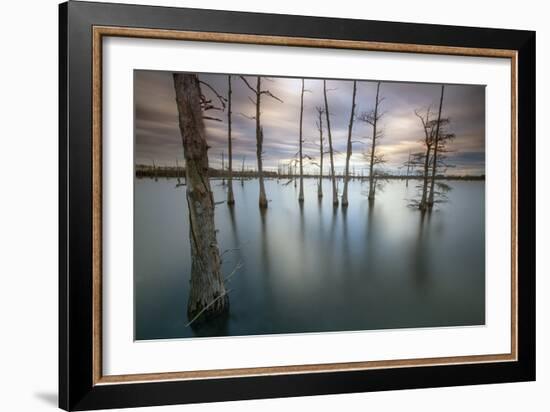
[432, 160]
[295, 166]
[208, 295]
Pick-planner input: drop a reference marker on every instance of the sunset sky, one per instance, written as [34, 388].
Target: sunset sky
[157, 134]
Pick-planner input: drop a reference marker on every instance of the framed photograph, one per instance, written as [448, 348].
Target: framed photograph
[258, 205]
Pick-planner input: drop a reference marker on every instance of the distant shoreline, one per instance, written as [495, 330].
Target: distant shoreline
[142, 171]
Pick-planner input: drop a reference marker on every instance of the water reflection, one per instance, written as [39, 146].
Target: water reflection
[311, 267]
[421, 249]
[266, 260]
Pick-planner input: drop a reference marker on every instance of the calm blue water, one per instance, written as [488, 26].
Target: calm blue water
[314, 268]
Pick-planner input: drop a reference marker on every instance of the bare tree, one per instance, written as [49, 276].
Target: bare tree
[207, 296]
[301, 142]
[331, 150]
[434, 162]
[259, 132]
[320, 113]
[408, 169]
[242, 171]
[424, 158]
[230, 197]
[372, 155]
[435, 142]
[439, 189]
[349, 146]
[223, 169]
[155, 172]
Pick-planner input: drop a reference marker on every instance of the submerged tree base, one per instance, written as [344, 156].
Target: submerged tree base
[263, 201]
[202, 311]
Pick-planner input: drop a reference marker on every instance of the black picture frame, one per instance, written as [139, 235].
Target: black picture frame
[77, 390]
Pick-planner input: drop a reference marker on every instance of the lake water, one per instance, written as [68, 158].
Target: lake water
[314, 268]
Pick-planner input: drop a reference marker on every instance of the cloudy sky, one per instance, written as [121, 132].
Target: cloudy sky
[158, 137]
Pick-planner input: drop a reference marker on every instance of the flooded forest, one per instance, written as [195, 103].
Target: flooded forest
[266, 205]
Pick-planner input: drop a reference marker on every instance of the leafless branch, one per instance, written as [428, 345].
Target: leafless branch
[248, 84]
[212, 118]
[234, 271]
[268, 93]
[221, 98]
[248, 117]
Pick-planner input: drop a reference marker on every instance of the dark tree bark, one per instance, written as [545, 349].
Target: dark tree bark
[349, 146]
[331, 150]
[207, 296]
[436, 144]
[230, 197]
[301, 195]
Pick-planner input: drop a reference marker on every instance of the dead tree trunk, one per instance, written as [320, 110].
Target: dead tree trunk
[301, 195]
[230, 197]
[242, 172]
[259, 133]
[321, 152]
[349, 146]
[436, 144]
[259, 145]
[263, 198]
[428, 141]
[223, 169]
[207, 296]
[372, 183]
[408, 170]
[423, 200]
[331, 150]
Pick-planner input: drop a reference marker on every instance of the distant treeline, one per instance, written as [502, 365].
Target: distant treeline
[173, 172]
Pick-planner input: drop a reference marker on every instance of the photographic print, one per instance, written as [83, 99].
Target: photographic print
[276, 205]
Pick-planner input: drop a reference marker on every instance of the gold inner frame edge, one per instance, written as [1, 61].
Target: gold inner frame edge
[98, 32]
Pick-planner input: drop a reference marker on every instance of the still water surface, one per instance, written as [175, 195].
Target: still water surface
[314, 268]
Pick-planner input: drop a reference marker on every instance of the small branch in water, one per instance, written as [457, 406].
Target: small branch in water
[219, 203]
[206, 307]
[239, 266]
[231, 250]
